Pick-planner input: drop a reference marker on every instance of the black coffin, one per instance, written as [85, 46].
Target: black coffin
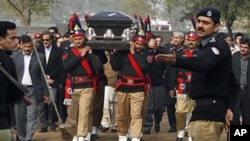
[109, 30]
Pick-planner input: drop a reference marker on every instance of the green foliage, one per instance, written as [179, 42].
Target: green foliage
[140, 7]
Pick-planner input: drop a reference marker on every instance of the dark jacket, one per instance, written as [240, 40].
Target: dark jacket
[54, 66]
[72, 64]
[37, 78]
[211, 79]
[9, 93]
[237, 69]
[120, 62]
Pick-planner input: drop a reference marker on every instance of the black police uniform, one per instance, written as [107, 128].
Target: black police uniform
[210, 87]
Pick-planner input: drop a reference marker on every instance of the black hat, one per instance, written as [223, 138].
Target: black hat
[210, 12]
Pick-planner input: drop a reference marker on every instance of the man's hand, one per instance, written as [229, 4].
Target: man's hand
[171, 93]
[167, 58]
[45, 99]
[132, 47]
[85, 50]
[228, 118]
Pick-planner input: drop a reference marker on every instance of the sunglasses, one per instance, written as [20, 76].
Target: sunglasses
[45, 40]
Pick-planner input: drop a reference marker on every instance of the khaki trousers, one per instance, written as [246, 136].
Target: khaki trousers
[70, 126]
[85, 111]
[204, 130]
[5, 135]
[129, 113]
[184, 105]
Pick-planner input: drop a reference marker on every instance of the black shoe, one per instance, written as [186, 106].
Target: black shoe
[17, 139]
[146, 130]
[186, 134]
[172, 130]
[179, 139]
[104, 129]
[94, 136]
[53, 129]
[113, 130]
[157, 127]
[42, 130]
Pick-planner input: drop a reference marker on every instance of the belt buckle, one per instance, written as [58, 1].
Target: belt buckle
[130, 81]
[243, 86]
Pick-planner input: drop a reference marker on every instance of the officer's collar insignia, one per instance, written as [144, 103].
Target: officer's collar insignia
[212, 40]
[215, 51]
[209, 13]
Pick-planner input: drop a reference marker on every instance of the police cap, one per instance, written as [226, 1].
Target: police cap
[210, 12]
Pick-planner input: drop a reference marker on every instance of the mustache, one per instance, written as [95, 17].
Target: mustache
[200, 29]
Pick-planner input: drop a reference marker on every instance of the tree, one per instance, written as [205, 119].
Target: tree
[231, 10]
[25, 8]
[140, 7]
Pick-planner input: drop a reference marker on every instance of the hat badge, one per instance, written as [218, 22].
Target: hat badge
[209, 13]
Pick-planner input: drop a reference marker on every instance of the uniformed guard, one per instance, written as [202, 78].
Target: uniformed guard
[182, 77]
[131, 87]
[81, 65]
[213, 86]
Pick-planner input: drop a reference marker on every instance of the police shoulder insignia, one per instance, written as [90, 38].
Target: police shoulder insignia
[64, 56]
[215, 51]
[150, 58]
[212, 40]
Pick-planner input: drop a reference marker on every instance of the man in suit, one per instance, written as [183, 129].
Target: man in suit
[241, 67]
[52, 70]
[30, 76]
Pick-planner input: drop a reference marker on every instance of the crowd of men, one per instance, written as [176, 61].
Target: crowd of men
[200, 78]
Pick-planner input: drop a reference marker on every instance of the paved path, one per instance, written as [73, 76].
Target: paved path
[163, 135]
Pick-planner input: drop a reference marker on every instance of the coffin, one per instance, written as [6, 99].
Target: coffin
[109, 30]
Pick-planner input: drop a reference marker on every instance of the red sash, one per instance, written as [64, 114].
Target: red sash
[140, 74]
[86, 66]
[84, 62]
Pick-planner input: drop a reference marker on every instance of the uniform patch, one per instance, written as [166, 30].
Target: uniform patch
[150, 58]
[212, 40]
[64, 56]
[215, 51]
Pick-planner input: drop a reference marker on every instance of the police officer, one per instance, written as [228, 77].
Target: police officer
[81, 65]
[213, 87]
[131, 87]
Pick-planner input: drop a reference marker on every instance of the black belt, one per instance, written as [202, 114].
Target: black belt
[208, 101]
[243, 87]
[27, 86]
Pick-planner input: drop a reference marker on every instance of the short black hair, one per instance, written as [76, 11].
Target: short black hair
[158, 36]
[228, 35]
[54, 28]
[25, 39]
[66, 34]
[245, 41]
[4, 26]
[221, 35]
[238, 34]
[51, 36]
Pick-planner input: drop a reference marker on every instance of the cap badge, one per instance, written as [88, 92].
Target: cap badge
[209, 13]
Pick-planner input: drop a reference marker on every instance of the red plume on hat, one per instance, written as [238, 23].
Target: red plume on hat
[147, 27]
[193, 21]
[86, 17]
[75, 26]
